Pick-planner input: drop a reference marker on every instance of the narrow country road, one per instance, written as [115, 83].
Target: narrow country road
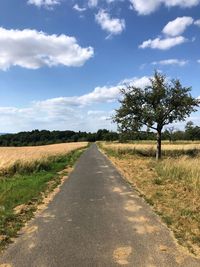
[96, 219]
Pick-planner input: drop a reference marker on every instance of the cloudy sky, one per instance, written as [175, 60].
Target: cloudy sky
[62, 62]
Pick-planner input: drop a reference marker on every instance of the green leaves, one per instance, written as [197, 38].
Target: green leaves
[159, 104]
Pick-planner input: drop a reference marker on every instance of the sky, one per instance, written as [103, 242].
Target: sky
[63, 62]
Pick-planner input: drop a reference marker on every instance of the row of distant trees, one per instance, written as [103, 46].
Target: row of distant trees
[172, 134]
[44, 137]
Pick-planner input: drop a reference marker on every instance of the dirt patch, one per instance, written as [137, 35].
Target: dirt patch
[50, 195]
[121, 254]
[131, 206]
[140, 219]
[145, 229]
[32, 229]
[117, 189]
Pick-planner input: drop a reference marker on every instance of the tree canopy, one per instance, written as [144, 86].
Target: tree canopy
[160, 103]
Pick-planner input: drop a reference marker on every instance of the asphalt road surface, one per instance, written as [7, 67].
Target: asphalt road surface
[96, 219]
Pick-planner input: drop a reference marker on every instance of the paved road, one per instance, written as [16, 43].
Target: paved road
[96, 219]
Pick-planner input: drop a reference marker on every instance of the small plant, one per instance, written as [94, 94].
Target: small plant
[149, 201]
[158, 181]
[196, 239]
[158, 194]
[167, 219]
[187, 213]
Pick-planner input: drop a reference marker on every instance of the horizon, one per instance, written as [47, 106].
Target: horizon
[62, 62]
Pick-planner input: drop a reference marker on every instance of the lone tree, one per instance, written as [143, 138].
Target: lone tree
[158, 104]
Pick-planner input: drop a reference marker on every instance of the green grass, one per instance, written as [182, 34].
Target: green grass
[27, 189]
[44, 164]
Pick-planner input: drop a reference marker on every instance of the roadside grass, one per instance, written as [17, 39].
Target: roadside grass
[28, 187]
[171, 186]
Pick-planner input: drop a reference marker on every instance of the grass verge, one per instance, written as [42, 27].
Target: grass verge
[28, 189]
[171, 186]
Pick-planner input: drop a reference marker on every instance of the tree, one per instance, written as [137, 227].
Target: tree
[192, 132]
[160, 103]
[169, 132]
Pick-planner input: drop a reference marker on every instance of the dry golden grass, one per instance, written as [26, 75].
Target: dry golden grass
[10, 156]
[183, 169]
[146, 146]
[149, 149]
[172, 186]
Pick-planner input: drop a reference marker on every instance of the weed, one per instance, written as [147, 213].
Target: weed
[158, 181]
[167, 219]
[158, 194]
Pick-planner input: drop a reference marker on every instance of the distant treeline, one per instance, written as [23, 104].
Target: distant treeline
[44, 137]
[191, 132]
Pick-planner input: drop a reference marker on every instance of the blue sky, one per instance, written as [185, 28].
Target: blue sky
[62, 62]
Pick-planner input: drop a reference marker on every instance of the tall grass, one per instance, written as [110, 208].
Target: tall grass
[183, 169]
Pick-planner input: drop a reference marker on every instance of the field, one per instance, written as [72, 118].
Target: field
[28, 175]
[22, 159]
[171, 186]
[149, 148]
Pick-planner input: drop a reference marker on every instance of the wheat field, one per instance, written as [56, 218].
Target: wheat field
[13, 157]
[147, 146]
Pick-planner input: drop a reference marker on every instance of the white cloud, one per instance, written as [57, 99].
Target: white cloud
[178, 62]
[78, 8]
[100, 94]
[181, 3]
[178, 26]
[197, 22]
[75, 113]
[92, 3]
[145, 7]
[111, 25]
[136, 82]
[32, 49]
[198, 61]
[163, 44]
[44, 3]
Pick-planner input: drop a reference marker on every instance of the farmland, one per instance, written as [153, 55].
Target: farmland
[171, 186]
[28, 175]
[19, 159]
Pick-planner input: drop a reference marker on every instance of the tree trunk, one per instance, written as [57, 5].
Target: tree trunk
[158, 150]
